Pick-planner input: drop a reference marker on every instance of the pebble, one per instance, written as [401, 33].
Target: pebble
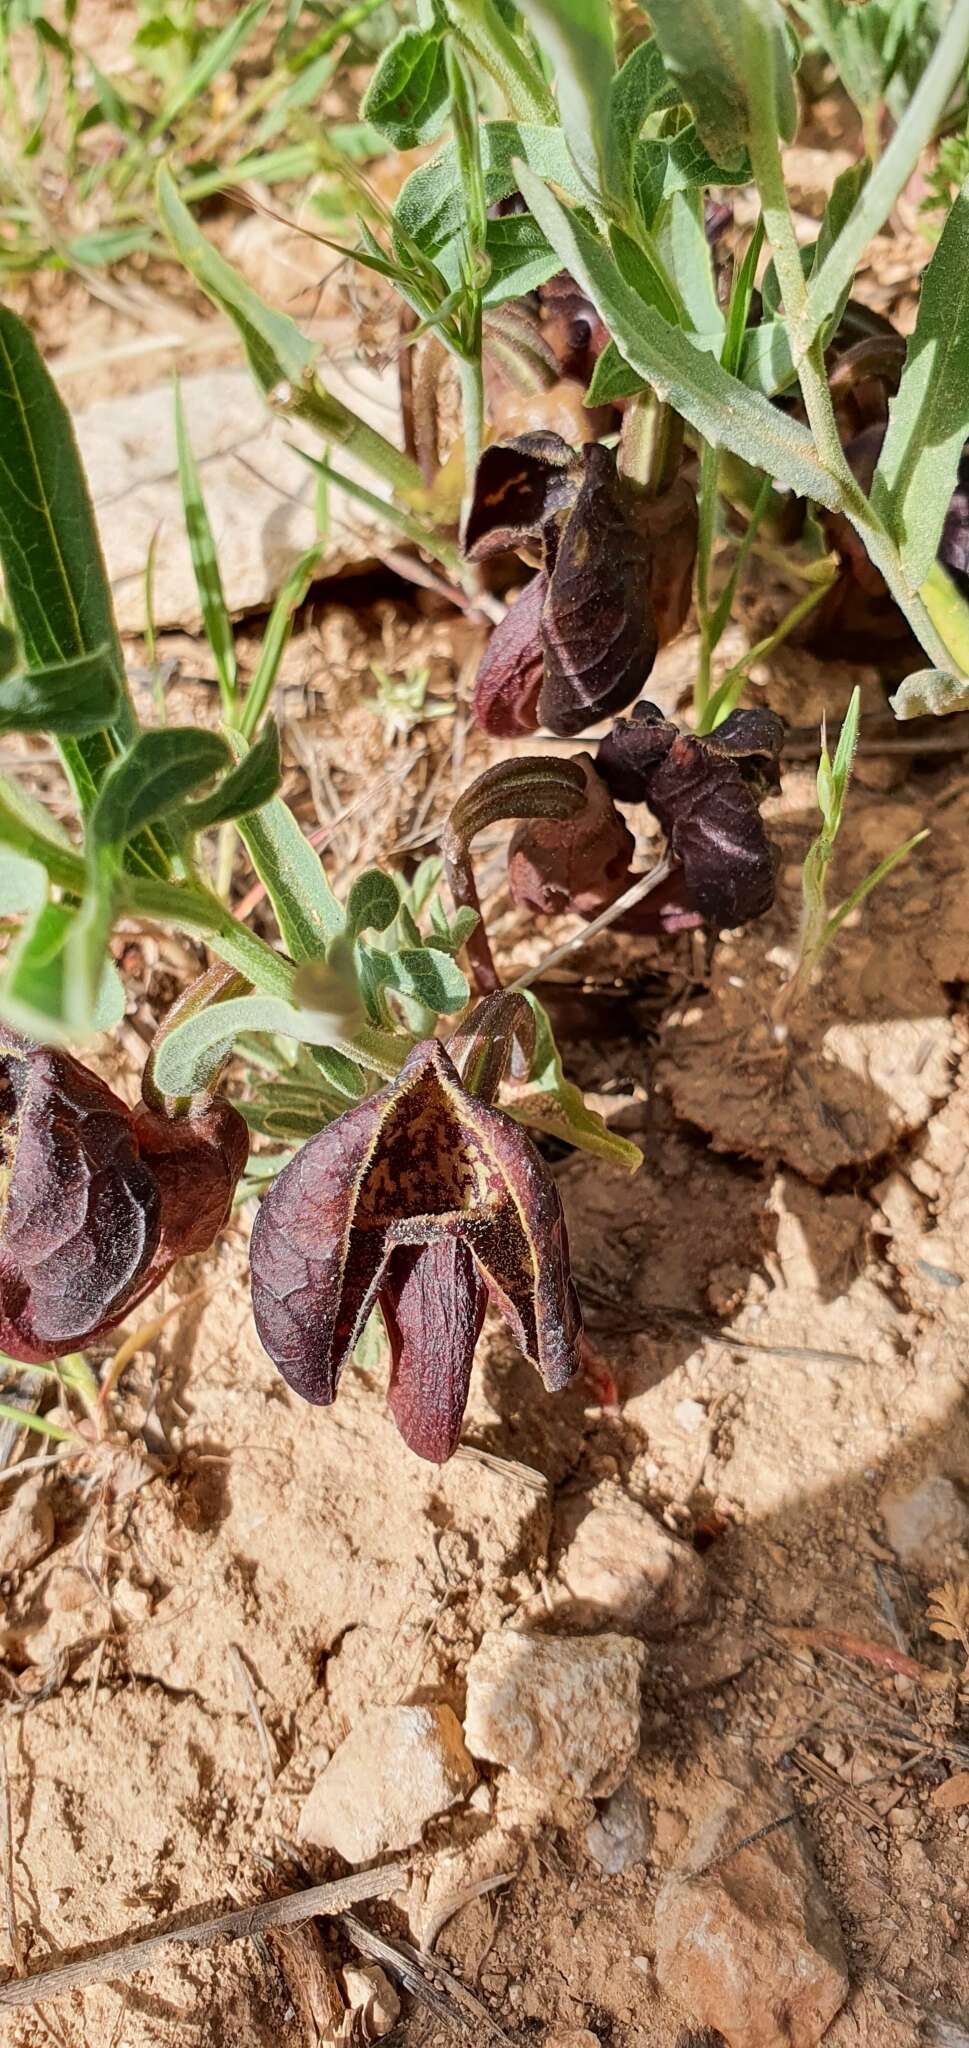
[622, 1834]
[26, 1526]
[572, 2037]
[751, 1948]
[562, 1712]
[397, 1769]
[927, 1526]
[621, 1565]
[372, 2000]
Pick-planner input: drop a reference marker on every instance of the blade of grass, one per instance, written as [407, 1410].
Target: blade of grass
[205, 563]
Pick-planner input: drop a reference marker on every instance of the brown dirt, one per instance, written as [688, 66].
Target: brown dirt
[779, 1295]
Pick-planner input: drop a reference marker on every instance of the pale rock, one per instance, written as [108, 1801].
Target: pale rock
[26, 1526]
[571, 2037]
[371, 1999]
[397, 1769]
[622, 1566]
[259, 493]
[562, 1712]
[928, 1526]
[622, 1835]
[690, 1416]
[748, 1943]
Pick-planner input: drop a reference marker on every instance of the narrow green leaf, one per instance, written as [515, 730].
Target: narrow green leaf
[576, 36]
[552, 1103]
[248, 787]
[703, 46]
[373, 903]
[307, 912]
[741, 294]
[277, 351]
[205, 562]
[929, 418]
[683, 245]
[216, 56]
[73, 697]
[679, 163]
[612, 378]
[407, 98]
[152, 779]
[23, 1419]
[641, 266]
[682, 375]
[276, 637]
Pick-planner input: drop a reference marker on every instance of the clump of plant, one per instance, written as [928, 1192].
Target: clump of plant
[565, 224]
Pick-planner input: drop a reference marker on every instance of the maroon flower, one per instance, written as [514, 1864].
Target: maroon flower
[428, 1200]
[96, 1200]
[615, 570]
[706, 790]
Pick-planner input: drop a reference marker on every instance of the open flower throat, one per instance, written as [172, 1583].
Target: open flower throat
[429, 1201]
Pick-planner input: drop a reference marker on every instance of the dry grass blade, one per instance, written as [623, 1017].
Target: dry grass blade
[6, 1868]
[428, 1981]
[243, 1678]
[123, 1959]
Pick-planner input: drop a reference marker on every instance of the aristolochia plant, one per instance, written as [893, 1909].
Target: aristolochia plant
[565, 228]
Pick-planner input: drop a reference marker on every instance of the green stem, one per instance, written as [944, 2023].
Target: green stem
[422, 536]
[917, 126]
[765, 157]
[726, 694]
[483, 33]
[707, 496]
[472, 409]
[650, 443]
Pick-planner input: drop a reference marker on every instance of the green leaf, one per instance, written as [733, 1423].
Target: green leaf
[307, 912]
[741, 294]
[576, 38]
[930, 693]
[372, 904]
[703, 46]
[422, 973]
[107, 245]
[407, 98]
[248, 787]
[678, 163]
[683, 244]
[612, 378]
[929, 417]
[187, 1054]
[276, 350]
[430, 208]
[205, 562]
[216, 56]
[682, 375]
[553, 1104]
[36, 991]
[56, 582]
[74, 697]
[276, 636]
[641, 87]
[23, 883]
[152, 778]
[642, 269]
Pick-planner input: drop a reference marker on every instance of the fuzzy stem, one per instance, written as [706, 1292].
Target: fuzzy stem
[485, 35]
[650, 443]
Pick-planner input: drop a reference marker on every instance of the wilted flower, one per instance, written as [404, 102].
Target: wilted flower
[429, 1201]
[706, 790]
[614, 583]
[96, 1200]
[579, 863]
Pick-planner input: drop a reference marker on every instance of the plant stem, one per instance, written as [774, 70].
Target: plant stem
[725, 696]
[422, 536]
[917, 126]
[484, 34]
[650, 443]
[707, 496]
[335, 422]
[472, 409]
[806, 339]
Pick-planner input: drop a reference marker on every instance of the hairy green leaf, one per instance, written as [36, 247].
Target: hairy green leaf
[307, 912]
[682, 374]
[641, 87]
[576, 36]
[372, 904]
[36, 991]
[422, 973]
[430, 209]
[929, 419]
[407, 98]
[186, 1055]
[72, 697]
[703, 45]
[248, 787]
[153, 778]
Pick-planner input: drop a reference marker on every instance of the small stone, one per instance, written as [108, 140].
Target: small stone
[952, 1793]
[621, 1565]
[561, 1712]
[689, 1415]
[622, 1834]
[397, 1768]
[372, 2000]
[751, 1946]
[26, 1527]
[572, 2037]
[928, 1526]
